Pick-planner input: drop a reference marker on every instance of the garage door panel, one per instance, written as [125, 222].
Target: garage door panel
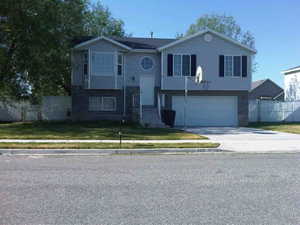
[206, 110]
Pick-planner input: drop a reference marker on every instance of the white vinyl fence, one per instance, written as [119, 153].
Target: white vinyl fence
[274, 111]
[52, 108]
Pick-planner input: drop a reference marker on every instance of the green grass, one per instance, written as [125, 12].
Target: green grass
[104, 145]
[282, 127]
[97, 130]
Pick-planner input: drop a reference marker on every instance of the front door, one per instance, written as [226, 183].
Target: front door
[147, 90]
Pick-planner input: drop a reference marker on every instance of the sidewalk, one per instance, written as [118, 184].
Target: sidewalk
[103, 141]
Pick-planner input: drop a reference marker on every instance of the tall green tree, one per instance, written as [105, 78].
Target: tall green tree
[35, 43]
[224, 24]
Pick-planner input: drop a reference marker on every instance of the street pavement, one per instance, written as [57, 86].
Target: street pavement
[244, 139]
[207, 188]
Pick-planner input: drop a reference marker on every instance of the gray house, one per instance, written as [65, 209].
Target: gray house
[266, 89]
[134, 78]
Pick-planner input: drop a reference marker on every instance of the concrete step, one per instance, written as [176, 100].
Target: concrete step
[151, 118]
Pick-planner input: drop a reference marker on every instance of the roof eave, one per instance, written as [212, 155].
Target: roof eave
[101, 38]
[290, 71]
[203, 32]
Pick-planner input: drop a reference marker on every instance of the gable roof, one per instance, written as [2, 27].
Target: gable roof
[258, 83]
[293, 69]
[126, 42]
[199, 33]
[87, 42]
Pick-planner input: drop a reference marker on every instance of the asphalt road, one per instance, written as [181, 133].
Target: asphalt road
[194, 189]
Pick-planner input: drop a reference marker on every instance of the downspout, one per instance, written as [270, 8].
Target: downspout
[89, 66]
[124, 87]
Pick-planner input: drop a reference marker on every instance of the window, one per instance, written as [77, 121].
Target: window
[102, 64]
[237, 66]
[108, 104]
[177, 65]
[100, 103]
[186, 65]
[120, 64]
[86, 68]
[182, 65]
[232, 66]
[85, 63]
[228, 66]
[95, 103]
[147, 63]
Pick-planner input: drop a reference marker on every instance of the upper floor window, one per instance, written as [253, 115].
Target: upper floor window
[186, 65]
[120, 64]
[102, 64]
[182, 65]
[232, 66]
[147, 63]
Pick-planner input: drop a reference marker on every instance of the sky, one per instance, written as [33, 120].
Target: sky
[275, 24]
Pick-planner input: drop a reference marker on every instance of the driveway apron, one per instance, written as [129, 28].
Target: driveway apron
[242, 139]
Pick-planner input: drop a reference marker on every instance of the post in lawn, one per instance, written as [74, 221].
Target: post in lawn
[120, 131]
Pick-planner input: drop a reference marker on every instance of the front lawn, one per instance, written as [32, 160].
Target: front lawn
[281, 127]
[104, 145]
[96, 130]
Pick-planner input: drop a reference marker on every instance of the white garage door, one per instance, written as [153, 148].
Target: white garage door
[206, 110]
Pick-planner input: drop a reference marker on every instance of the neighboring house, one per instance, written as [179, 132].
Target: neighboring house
[266, 89]
[114, 78]
[292, 84]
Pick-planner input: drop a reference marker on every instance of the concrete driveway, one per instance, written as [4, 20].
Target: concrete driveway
[242, 139]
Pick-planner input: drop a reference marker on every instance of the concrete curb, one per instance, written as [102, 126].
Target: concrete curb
[107, 151]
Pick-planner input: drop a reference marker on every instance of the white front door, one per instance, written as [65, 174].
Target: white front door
[147, 90]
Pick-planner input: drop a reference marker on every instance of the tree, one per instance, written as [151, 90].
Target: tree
[35, 43]
[225, 25]
[99, 21]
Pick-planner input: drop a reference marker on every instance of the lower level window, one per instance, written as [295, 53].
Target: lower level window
[100, 103]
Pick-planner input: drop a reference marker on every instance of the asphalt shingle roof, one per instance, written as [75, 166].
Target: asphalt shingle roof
[296, 67]
[132, 42]
[256, 83]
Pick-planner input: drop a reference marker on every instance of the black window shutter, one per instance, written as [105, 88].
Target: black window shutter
[221, 65]
[170, 64]
[193, 65]
[244, 66]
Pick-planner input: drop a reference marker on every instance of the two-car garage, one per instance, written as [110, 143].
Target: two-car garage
[205, 110]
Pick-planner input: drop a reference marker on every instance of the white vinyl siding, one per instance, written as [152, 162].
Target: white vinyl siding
[102, 64]
[100, 103]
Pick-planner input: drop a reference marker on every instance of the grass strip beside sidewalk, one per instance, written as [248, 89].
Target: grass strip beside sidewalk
[105, 145]
[96, 130]
[293, 128]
